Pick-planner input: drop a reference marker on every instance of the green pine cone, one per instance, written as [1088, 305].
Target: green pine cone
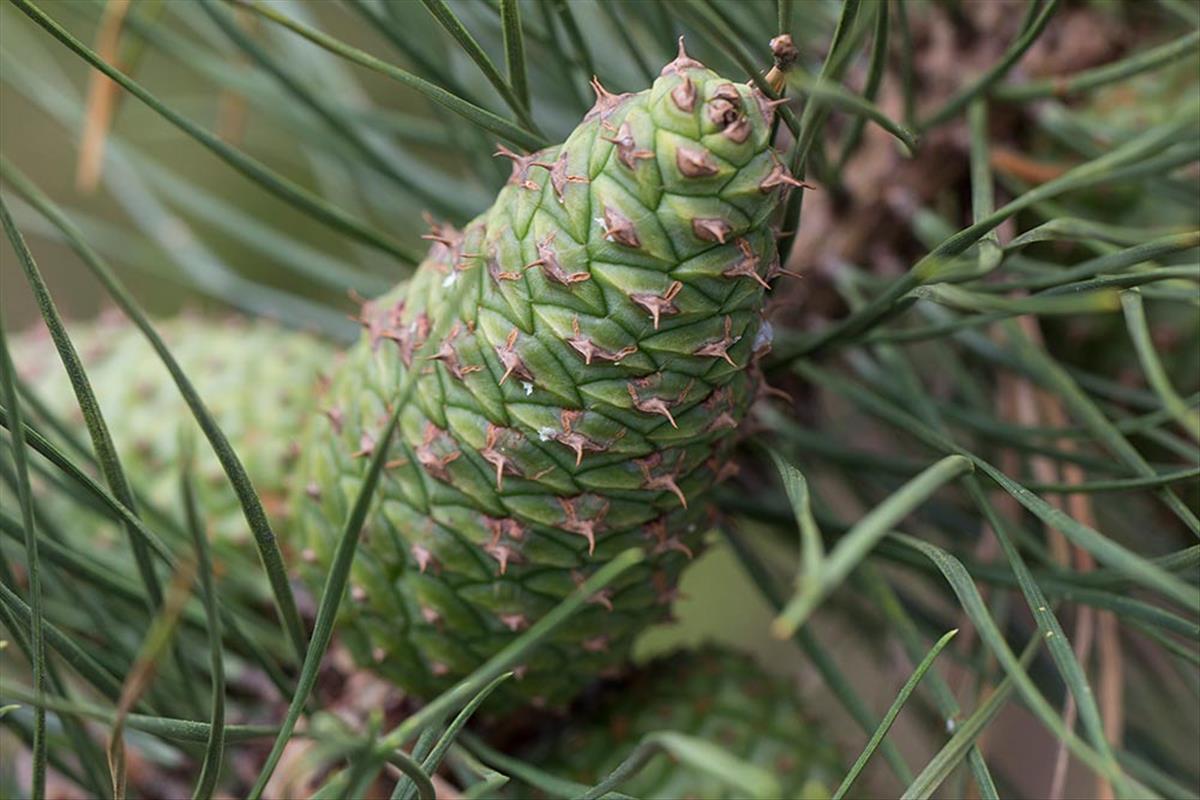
[256, 378]
[600, 323]
[715, 695]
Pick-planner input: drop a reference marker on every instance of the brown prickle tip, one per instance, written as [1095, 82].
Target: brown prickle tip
[666, 591]
[658, 305]
[572, 439]
[442, 233]
[606, 101]
[422, 556]
[684, 95]
[503, 152]
[775, 268]
[619, 228]
[336, 417]
[652, 405]
[497, 274]
[682, 61]
[502, 553]
[602, 598]
[586, 348]
[513, 365]
[467, 261]
[719, 348]
[627, 150]
[766, 105]
[664, 542]
[602, 94]
[729, 93]
[584, 527]
[366, 446]
[596, 644]
[449, 357]
[780, 176]
[663, 482]
[719, 400]
[520, 167]
[694, 162]
[723, 421]
[514, 622]
[711, 230]
[436, 465]
[558, 174]
[380, 323]
[506, 527]
[766, 390]
[408, 338]
[552, 268]
[493, 456]
[747, 265]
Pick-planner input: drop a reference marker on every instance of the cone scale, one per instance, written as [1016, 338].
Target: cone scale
[603, 319]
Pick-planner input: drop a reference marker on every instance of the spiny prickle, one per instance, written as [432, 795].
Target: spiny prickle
[601, 324]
